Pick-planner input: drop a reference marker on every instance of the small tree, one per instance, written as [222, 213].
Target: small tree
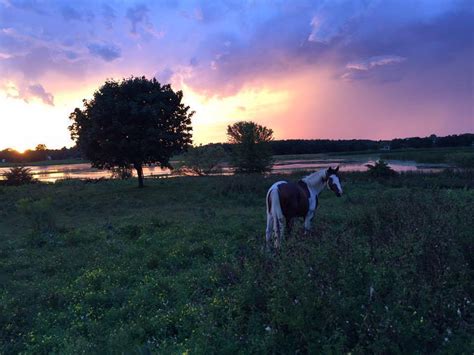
[251, 152]
[133, 122]
[203, 160]
[40, 153]
[380, 169]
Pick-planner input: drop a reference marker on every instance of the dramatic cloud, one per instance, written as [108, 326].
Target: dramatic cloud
[345, 68]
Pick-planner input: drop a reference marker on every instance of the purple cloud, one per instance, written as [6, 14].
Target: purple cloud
[107, 52]
[164, 76]
[28, 5]
[367, 67]
[136, 15]
[27, 92]
[220, 48]
[369, 63]
[109, 15]
[37, 90]
[72, 14]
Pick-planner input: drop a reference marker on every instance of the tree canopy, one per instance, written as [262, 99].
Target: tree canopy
[131, 123]
[251, 152]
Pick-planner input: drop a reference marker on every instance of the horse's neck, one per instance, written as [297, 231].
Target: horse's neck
[318, 187]
[315, 186]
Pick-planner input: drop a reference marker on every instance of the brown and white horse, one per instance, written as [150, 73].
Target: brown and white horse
[287, 200]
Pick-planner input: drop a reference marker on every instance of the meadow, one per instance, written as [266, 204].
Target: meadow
[179, 267]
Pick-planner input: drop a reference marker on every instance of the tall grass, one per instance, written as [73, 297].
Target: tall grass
[180, 267]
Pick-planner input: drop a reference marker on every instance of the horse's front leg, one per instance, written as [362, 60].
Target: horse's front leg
[307, 222]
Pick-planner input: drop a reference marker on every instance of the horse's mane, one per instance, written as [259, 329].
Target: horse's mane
[315, 178]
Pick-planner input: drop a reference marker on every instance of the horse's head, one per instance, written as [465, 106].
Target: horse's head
[333, 182]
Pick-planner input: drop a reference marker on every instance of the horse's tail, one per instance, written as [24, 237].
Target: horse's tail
[275, 210]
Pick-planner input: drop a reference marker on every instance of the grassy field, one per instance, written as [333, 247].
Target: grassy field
[179, 267]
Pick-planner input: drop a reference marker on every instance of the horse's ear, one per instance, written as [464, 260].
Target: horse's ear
[337, 169]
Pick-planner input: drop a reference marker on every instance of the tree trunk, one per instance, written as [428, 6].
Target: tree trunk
[139, 169]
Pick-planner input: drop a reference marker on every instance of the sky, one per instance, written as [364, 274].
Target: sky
[336, 69]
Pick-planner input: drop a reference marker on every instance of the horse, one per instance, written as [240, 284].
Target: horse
[287, 200]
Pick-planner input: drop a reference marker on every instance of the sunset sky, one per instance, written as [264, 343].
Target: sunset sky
[375, 69]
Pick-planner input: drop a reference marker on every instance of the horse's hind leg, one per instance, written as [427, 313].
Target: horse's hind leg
[279, 231]
[269, 230]
[289, 227]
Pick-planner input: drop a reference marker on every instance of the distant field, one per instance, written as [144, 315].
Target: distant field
[459, 156]
[179, 267]
[456, 156]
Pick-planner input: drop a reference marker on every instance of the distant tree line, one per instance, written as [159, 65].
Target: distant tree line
[39, 154]
[313, 146]
[279, 147]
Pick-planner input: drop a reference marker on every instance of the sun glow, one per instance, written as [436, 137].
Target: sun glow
[23, 125]
[213, 114]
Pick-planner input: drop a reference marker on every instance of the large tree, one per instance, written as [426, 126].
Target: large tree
[132, 123]
[251, 152]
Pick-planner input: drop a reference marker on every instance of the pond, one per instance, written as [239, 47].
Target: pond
[51, 173]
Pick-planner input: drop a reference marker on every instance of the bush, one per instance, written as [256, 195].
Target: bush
[380, 169]
[203, 160]
[39, 213]
[19, 175]
[463, 160]
[122, 173]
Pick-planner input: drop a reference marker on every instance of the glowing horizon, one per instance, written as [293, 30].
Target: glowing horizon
[328, 73]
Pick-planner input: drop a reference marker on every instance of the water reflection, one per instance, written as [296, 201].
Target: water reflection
[354, 165]
[51, 173]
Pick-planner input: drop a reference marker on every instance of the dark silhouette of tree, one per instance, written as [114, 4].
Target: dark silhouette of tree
[133, 122]
[251, 152]
[18, 175]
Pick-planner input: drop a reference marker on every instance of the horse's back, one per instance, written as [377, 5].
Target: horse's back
[294, 200]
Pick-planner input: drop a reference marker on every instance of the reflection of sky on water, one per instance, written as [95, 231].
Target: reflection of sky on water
[397, 165]
[52, 173]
